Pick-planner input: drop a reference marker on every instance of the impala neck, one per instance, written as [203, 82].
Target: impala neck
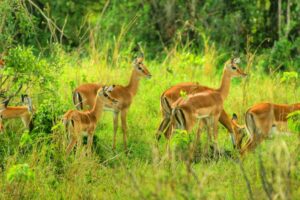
[134, 82]
[225, 84]
[98, 107]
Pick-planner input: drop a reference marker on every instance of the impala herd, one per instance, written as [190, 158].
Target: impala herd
[183, 106]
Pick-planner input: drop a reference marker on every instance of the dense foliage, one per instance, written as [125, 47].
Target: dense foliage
[234, 26]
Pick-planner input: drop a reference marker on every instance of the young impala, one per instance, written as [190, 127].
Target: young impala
[85, 95]
[76, 122]
[23, 112]
[174, 93]
[262, 118]
[206, 105]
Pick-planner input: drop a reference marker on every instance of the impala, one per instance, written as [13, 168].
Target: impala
[174, 93]
[207, 105]
[2, 63]
[23, 112]
[1, 124]
[262, 118]
[85, 95]
[76, 122]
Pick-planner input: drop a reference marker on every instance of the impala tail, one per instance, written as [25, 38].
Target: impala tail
[164, 126]
[251, 125]
[67, 120]
[77, 100]
[177, 119]
[68, 123]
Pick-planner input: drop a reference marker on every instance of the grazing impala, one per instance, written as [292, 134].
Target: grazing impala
[207, 105]
[85, 95]
[174, 93]
[23, 112]
[2, 63]
[76, 122]
[1, 124]
[261, 118]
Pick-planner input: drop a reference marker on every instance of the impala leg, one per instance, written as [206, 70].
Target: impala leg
[90, 142]
[198, 135]
[207, 125]
[79, 144]
[116, 116]
[71, 145]
[201, 125]
[26, 120]
[257, 137]
[124, 127]
[163, 128]
[215, 131]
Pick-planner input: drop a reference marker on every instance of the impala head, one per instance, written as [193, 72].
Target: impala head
[238, 131]
[140, 67]
[232, 67]
[105, 94]
[27, 100]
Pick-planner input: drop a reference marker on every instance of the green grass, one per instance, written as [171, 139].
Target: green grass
[147, 172]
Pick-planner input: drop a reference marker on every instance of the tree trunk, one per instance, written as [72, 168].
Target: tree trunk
[287, 29]
[279, 19]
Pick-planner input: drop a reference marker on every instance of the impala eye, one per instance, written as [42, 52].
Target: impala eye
[139, 68]
[233, 67]
[105, 94]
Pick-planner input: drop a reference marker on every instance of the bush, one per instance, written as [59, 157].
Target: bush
[280, 55]
[20, 172]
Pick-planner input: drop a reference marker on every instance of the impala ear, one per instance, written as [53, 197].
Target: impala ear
[110, 88]
[5, 102]
[23, 97]
[235, 60]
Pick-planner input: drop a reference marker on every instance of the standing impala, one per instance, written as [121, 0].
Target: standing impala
[207, 105]
[85, 95]
[76, 122]
[261, 118]
[23, 112]
[174, 93]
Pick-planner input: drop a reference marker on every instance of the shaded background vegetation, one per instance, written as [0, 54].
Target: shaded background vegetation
[232, 26]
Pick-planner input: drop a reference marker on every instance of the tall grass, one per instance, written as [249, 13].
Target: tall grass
[147, 172]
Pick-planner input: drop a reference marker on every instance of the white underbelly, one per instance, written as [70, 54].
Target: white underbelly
[204, 112]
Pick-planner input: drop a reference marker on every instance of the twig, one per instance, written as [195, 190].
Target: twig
[246, 179]
[262, 171]
[63, 28]
[47, 18]
[112, 158]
